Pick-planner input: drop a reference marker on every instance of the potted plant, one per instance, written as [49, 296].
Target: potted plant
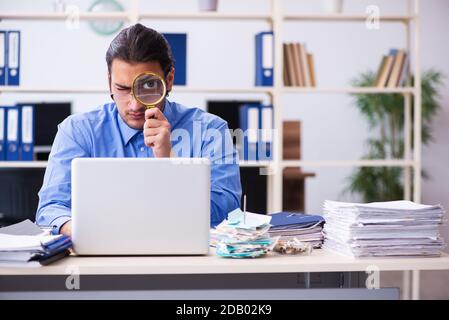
[385, 116]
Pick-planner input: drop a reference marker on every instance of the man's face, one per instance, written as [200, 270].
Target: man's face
[121, 80]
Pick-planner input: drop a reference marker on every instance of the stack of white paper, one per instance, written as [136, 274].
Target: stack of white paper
[290, 226]
[26, 244]
[243, 235]
[394, 228]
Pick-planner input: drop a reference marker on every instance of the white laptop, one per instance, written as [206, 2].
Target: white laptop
[140, 206]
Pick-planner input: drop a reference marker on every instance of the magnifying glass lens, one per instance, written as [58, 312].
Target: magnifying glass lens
[149, 89]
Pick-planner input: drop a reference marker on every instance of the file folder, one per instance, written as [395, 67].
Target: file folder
[27, 133]
[266, 132]
[249, 123]
[178, 44]
[294, 220]
[13, 131]
[264, 58]
[3, 57]
[2, 133]
[13, 64]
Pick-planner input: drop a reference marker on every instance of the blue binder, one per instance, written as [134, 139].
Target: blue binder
[2, 133]
[264, 58]
[13, 133]
[294, 220]
[3, 57]
[178, 44]
[249, 123]
[13, 61]
[266, 133]
[26, 144]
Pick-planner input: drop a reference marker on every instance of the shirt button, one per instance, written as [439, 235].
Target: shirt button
[142, 149]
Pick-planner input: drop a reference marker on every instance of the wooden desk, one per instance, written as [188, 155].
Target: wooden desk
[319, 261]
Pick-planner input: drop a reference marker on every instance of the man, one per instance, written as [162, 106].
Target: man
[125, 128]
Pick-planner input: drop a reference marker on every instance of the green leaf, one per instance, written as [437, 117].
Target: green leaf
[385, 116]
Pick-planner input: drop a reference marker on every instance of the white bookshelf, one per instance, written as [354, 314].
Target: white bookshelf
[412, 159]
[276, 19]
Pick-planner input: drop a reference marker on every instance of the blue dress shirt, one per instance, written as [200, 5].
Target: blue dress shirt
[103, 133]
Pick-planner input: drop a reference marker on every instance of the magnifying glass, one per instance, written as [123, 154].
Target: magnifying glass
[149, 89]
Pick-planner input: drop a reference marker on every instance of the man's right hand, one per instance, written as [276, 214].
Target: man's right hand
[66, 228]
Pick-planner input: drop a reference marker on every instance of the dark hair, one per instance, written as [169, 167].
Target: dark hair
[140, 44]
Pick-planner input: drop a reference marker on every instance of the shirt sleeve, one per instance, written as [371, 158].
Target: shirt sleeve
[54, 207]
[226, 188]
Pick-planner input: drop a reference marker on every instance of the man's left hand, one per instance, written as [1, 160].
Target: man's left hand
[156, 132]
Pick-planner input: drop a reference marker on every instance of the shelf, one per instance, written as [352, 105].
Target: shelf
[126, 15]
[345, 17]
[183, 89]
[187, 89]
[42, 149]
[349, 163]
[374, 90]
[43, 164]
[23, 164]
[24, 89]
[176, 89]
[206, 15]
[55, 16]
[256, 164]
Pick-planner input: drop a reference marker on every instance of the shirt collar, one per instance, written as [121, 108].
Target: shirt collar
[128, 133]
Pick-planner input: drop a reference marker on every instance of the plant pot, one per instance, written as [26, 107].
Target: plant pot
[208, 5]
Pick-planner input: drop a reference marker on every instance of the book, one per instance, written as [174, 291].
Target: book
[385, 72]
[310, 63]
[290, 220]
[264, 58]
[178, 45]
[25, 244]
[290, 64]
[393, 80]
[13, 58]
[299, 78]
[379, 70]
[249, 123]
[265, 148]
[404, 71]
[286, 66]
[304, 64]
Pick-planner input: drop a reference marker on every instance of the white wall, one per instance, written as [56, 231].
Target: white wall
[221, 54]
